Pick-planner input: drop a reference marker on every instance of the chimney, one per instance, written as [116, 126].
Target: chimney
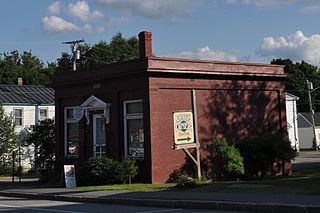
[145, 44]
[20, 81]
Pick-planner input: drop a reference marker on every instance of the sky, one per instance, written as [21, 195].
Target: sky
[254, 31]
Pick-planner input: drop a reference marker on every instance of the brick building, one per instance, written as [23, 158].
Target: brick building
[128, 108]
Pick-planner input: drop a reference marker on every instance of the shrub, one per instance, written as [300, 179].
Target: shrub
[225, 159]
[185, 181]
[127, 170]
[261, 152]
[97, 171]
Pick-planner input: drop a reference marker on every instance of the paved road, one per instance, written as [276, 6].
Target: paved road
[8, 204]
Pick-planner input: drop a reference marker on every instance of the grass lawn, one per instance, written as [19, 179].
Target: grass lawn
[300, 183]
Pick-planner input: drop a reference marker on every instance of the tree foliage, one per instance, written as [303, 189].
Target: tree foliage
[298, 73]
[259, 153]
[25, 65]
[225, 159]
[7, 135]
[119, 49]
[43, 139]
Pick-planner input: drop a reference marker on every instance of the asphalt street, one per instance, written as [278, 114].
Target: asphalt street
[12, 204]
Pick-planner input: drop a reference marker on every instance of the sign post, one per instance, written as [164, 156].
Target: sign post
[186, 132]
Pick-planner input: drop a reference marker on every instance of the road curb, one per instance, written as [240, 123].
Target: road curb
[187, 204]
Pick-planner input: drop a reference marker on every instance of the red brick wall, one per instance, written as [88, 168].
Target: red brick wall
[233, 109]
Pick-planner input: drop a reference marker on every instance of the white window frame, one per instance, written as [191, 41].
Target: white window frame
[14, 116]
[66, 121]
[126, 117]
[43, 108]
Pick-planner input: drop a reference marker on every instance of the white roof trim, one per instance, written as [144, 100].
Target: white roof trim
[94, 103]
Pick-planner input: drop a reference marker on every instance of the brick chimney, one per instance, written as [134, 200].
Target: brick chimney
[20, 81]
[145, 44]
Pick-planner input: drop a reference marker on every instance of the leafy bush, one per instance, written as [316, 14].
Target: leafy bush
[127, 170]
[225, 159]
[261, 152]
[185, 181]
[103, 171]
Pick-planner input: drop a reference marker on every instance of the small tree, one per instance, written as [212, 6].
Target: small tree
[127, 170]
[225, 159]
[7, 136]
[261, 152]
[43, 139]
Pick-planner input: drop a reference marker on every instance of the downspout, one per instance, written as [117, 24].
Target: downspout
[294, 124]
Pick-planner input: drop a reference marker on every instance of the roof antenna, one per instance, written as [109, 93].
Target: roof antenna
[76, 53]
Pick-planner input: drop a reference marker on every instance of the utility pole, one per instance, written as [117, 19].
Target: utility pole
[76, 53]
[310, 89]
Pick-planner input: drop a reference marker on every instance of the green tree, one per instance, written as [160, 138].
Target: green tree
[297, 74]
[225, 159]
[43, 139]
[25, 65]
[118, 50]
[7, 136]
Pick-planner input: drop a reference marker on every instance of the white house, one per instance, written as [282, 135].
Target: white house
[292, 123]
[305, 129]
[27, 104]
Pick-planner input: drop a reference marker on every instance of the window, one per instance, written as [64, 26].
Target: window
[71, 136]
[133, 129]
[18, 117]
[43, 114]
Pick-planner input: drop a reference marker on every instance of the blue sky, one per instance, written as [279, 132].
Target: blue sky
[229, 30]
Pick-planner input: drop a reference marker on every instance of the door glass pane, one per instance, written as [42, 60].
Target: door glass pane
[72, 139]
[135, 137]
[100, 131]
[99, 136]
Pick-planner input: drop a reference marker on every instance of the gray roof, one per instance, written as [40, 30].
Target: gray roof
[307, 116]
[26, 94]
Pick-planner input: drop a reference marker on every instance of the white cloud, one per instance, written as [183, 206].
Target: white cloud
[56, 25]
[311, 9]
[89, 29]
[296, 47]
[55, 8]
[262, 3]
[154, 9]
[81, 10]
[205, 53]
[115, 20]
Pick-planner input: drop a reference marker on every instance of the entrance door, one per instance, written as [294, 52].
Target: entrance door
[99, 135]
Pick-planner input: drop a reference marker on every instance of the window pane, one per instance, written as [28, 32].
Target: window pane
[18, 117]
[72, 139]
[70, 113]
[135, 138]
[43, 114]
[18, 113]
[18, 121]
[133, 108]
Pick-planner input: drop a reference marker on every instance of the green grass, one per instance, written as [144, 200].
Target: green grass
[303, 183]
[300, 183]
[133, 187]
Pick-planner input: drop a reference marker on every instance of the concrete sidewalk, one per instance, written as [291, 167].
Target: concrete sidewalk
[171, 199]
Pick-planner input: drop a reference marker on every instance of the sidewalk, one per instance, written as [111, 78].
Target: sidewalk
[170, 199]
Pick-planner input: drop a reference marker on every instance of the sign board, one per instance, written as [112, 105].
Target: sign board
[183, 127]
[70, 176]
[78, 112]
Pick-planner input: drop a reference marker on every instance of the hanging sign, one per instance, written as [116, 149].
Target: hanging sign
[70, 176]
[183, 128]
[78, 112]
